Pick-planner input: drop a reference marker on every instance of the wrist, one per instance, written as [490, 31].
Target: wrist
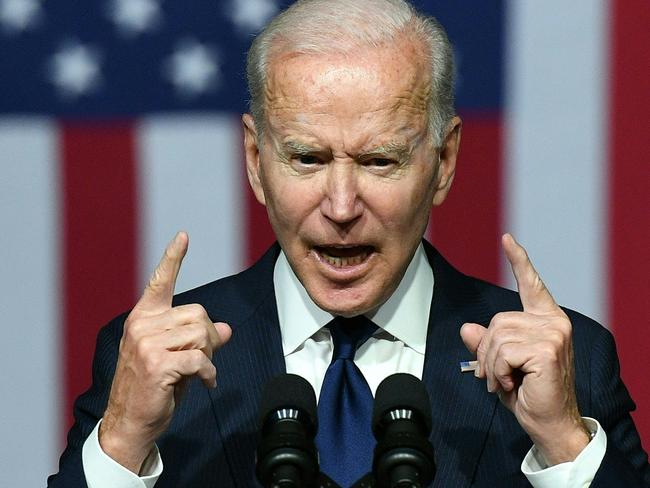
[564, 444]
[129, 449]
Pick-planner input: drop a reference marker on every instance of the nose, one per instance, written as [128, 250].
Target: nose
[341, 203]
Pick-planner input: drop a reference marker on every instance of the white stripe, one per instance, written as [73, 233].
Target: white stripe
[191, 171]
[29, 284]
[555, 144]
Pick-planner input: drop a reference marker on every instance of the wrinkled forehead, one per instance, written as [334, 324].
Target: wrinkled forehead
[372, 77]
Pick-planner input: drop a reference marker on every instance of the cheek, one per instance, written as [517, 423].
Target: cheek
[404, 208]
[289, 201]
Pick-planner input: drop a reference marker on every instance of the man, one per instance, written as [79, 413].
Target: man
[351, 140]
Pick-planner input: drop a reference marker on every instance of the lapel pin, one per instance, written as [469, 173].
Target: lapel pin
[467, 366]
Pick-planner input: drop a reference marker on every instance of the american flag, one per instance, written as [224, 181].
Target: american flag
[119, 124]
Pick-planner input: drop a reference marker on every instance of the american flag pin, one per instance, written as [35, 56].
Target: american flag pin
[467, 366]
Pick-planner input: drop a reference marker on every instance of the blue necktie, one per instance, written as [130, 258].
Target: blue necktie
[345, 441]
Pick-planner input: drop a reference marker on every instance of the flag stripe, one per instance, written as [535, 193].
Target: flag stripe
[629, 237]
[29, 295]
[191, 179]
[466, 227]
[258, 232]
[556, 151]
[99, 236]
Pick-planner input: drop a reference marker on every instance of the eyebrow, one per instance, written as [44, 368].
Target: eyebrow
[400, 150]
[298, 147]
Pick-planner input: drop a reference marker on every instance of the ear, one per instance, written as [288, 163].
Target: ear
[252, 153]
[447, 154]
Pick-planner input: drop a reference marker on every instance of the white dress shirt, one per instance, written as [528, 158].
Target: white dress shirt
[398, 346]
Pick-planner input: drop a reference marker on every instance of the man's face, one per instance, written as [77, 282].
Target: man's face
[348, 170]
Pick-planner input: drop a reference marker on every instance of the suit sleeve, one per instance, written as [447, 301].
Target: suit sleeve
[625, 463]
[89, 407]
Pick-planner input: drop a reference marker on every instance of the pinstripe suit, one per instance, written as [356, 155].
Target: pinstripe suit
[211, 439]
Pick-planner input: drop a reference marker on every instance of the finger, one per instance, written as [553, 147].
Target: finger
[169, 319]
[158, 294]
[190, 336]
[224, 333]
[503, 363]
[190, 363]
[206, 337]
[534, 295]
[513, 359]
[198, 334]
[472, 336]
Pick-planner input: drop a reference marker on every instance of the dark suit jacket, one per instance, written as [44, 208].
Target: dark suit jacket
[211, 440]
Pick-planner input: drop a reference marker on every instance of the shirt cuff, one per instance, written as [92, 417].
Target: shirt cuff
[578, 473]
[102, 471]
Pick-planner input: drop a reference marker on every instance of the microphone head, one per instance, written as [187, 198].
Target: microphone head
[289, 391]
[401, 422]
[401, 391]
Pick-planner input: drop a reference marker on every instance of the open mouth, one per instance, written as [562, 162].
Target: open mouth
[344, 256]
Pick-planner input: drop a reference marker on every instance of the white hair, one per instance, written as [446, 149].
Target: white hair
[333, 26]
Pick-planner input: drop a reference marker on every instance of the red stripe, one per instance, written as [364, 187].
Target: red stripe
[467, 227]
[100, 224]
[259, 234]
[629, 245]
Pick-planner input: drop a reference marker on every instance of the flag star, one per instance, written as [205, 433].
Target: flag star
[193, 68]
[252, 15]
[75, 70]
[19, 15]
[133, 17]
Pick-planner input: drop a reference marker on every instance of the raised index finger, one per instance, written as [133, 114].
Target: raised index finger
[158, 294]
[534, 295]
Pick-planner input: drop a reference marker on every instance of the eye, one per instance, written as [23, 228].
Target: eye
[307, 159]
[381, 162]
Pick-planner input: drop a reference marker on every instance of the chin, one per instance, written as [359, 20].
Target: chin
[346, 302]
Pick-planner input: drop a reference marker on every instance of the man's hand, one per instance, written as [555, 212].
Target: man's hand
[160, 348]
[527, 359]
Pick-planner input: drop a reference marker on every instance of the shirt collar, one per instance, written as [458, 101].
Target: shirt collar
[405, 315]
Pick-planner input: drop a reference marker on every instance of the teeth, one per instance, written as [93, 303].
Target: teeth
[341, 262]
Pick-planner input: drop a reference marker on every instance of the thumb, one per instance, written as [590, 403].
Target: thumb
[158, 294]
[472, 335]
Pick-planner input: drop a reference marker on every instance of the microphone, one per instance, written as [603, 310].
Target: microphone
[401, 422]
[286, 452]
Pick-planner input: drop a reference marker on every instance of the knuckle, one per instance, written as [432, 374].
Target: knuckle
[503, 319]
[556, 337]
[201, 342]
[197, 356]
[131, 328]
[549, 351]
[209, 369]
[195, 312]
[151, 364]
[498, 320]
[502, 374]
[196, 308]
[143, 348]
[506, 351]
[565, 327]
[196, 334]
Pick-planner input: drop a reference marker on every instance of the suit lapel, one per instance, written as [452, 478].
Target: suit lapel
[250, 359]
[462, 409]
